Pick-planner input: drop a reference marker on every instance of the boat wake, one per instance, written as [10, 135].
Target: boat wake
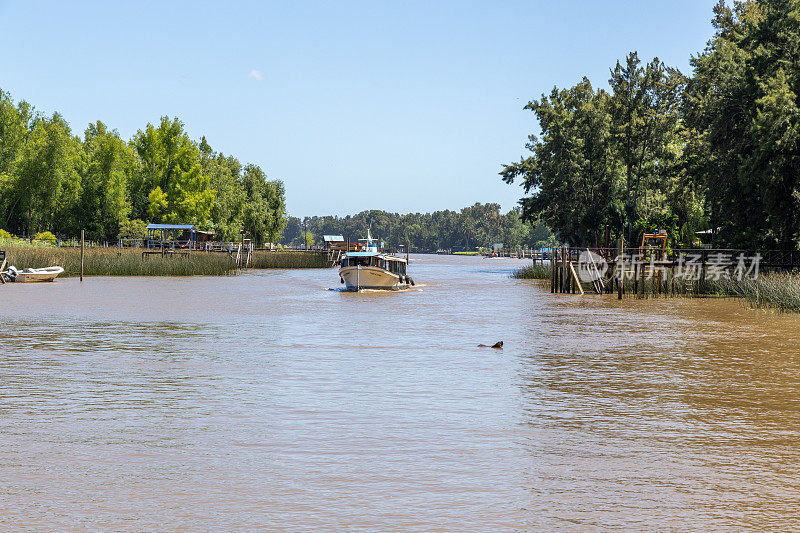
[415, 288]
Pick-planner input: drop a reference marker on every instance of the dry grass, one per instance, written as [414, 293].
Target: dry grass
[99, 261]
[119, 262]
[289, 259]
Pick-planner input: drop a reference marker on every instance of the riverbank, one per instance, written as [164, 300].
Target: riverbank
[773, 290]
[102, 261]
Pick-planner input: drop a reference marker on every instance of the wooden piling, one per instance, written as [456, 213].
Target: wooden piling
[620, 268]
[641, 280]
[82, 241]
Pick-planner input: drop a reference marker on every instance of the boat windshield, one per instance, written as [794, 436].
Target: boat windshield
[395, 267]
[356, 261]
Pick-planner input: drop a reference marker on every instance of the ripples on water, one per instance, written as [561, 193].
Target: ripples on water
[267, 402]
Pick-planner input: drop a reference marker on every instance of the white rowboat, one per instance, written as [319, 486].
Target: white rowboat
[29, 275]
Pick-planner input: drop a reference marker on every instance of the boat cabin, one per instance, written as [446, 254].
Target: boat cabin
[395, 265]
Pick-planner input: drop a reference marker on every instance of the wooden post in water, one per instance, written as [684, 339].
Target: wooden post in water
[702, 284]
[620, 269]
[82, 255]
[567, 274]
[641, 279]
[559, 276]
[552, 272]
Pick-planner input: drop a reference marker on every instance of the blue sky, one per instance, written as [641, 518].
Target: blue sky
[404, 106]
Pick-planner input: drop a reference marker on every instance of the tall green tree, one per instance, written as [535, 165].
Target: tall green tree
[646, 113]
[46, 179]
[572, 176]
[171, 186]
[16, 122]
[742, 112]
[110, 164]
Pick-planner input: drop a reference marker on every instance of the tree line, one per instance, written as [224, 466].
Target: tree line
[52, 180]
[716, 150]
[473, 227]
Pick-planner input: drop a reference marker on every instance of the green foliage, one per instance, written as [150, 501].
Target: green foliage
[662, 151]
[573, 177]
[45, 236]
[52, 180]
[5, 235]
[742, 112]
[110, 165]
[472, 227]
[132, 229]
[609, 159]
[171, 172]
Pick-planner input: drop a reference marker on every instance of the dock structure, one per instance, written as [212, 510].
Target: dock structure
[536, 255]
[651, 270]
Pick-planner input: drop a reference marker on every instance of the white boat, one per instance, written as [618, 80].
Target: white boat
[29, 275]
[372, 269]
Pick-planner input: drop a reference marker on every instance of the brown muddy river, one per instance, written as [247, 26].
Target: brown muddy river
[267, 402]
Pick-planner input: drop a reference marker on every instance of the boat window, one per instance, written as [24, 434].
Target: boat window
[359, 261]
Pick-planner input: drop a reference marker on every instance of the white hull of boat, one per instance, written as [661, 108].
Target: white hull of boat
[30, 275]
[370, 277]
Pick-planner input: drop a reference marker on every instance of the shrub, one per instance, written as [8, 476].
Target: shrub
[132, 229]
[45, 236]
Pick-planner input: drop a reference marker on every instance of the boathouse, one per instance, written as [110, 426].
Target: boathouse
[185, 236]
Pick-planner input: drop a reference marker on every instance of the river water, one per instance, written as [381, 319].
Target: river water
[268, 402]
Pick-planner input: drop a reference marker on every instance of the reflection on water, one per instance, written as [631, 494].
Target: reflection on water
[265, 401]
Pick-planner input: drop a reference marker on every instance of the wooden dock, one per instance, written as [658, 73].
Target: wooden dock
[630, 271]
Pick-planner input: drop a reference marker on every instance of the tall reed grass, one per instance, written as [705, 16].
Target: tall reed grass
[119, 262]
[539, 271]
[289, 259]
[101, 261]
[773, 290]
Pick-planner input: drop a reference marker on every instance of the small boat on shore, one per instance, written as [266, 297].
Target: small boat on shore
[29, 275]
[372, 269]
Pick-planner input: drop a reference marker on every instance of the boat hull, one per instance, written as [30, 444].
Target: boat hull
[31, 275]
[370, 277]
